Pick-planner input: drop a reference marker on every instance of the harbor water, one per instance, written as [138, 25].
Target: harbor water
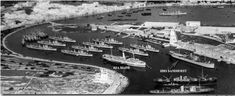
[141, 79]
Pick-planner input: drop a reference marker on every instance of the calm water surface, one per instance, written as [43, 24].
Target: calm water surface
[141, 80]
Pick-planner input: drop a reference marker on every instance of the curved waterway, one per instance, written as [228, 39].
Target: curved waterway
[141, 80]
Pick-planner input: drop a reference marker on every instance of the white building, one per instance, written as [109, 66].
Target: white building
[193, 23]
[215, 30]
[173, 38]
[160, 24]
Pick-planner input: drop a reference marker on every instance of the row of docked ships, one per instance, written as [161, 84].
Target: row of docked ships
[184, 85]
[78, 50]
[123, 60]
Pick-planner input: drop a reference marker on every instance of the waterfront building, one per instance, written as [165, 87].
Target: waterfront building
[103, 77]
[193, 23]
[160, 33]
[214, 30]
[160, 24]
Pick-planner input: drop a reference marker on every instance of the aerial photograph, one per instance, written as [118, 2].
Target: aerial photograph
[124, 47]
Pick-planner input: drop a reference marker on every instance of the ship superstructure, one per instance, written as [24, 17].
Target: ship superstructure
[98, 44]
[192, 59]
[52, 43]
[62, 38]
[76, 53]
[133, 51]
[40, 47]
[109, 41]
[123, 60]
[89, 48]
[145, 48]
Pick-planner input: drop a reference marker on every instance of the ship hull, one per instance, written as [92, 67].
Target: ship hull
[51, 44]
[208, 82]
[122, 62]
[113, 43]
[193, 62]
[107, 42]
[78, 54]
[141, 54]
[188, 92]
[98, 45]
[71, 41]
[43, 49]
[144, 49]
[86, 49]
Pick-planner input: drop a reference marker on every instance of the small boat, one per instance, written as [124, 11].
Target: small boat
[101, 17]
[174, 13]
[146, 14]
[220, 7]
[148, 9]
[23, 42]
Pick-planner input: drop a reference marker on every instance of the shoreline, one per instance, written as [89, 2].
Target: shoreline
[147, 6]
[64, 18]
[116, 74]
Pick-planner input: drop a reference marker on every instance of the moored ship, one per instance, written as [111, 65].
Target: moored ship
[108, 41]
[146, 14]
[123, 60]
[112, 41]
[41, 34]
[99, 44]
[30, 37]
[192, 59]
[34, 36]
[76, 53]
[174, 13]
[187, 80]
[184, 90]
[62, 38]
[89, 48]
[52, 43]
[133, 51]
[40, 47]
[145, 48]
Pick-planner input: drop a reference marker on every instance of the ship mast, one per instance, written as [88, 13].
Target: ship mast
[123, 55]
[111, 51]
[202, 74]
[133, 54]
